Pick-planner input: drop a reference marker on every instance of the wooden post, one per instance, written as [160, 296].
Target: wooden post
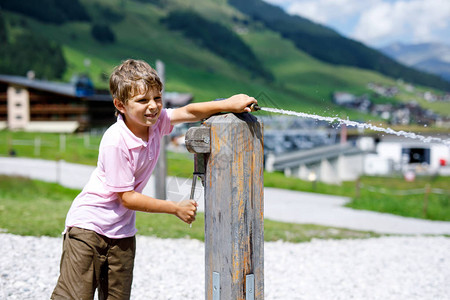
[425, 200]
[86, 139]
[357, 187]
[160, 171]
[234, 205]
[62, 142]
[37, 146]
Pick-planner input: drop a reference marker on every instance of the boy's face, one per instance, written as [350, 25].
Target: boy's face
[142, 110]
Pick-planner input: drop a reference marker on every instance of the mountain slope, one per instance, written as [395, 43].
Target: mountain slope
[300, 82]
[429, 57]
[327, 45]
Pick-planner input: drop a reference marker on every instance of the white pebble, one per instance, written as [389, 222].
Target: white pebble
[379, 268]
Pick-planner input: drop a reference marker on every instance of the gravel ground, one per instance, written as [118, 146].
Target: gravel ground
[381, 268]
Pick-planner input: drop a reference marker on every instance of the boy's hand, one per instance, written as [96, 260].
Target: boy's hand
[186, 210]
[239, 103]
[198, 111]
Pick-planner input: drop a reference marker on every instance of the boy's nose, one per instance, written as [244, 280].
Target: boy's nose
[152, 104]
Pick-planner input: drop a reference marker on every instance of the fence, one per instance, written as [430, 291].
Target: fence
[418, 191]
[48, 145]
[426, 191]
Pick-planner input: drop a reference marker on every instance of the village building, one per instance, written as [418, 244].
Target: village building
[348, 160]
[30, 104]
[350, 153]
[37, 105]
[398, 154]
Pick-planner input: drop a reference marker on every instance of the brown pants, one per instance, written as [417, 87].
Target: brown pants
[89, 261]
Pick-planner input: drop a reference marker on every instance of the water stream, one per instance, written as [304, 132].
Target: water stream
[411, 135]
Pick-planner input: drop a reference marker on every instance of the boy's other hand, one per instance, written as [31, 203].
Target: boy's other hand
[239, 103]
[187, 210]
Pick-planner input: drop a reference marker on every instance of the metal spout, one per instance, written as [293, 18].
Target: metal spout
[254, 107]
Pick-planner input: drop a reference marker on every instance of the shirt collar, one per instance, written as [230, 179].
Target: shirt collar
[131, 140]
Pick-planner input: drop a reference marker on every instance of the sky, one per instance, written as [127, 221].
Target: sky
[378, 23]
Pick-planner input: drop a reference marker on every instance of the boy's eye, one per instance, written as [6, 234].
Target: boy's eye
[142, 100]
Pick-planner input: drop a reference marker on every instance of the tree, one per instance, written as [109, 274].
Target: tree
[31, 52]
[3, 32]
[51, 11]
[103, 33]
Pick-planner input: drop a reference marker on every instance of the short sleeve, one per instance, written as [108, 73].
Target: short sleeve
[118, 167]
[164, 118]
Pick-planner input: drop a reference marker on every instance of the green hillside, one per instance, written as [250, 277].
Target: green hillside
[276, 71]
[327, 45]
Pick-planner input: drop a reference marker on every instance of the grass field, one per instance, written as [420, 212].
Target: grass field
[32, 207]
[383, 194]
[397, 196]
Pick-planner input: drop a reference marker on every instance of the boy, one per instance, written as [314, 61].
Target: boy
[99, 237]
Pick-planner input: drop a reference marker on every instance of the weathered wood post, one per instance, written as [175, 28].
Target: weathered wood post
[232, 147]
[160, 172]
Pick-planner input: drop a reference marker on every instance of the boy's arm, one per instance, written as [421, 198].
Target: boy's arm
[185, 210]
[197, 111]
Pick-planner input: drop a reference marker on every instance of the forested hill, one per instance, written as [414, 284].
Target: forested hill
[53, 11]
[24, 50]
[327, 45]
[210, 48]
[208, 34]
[318, 41]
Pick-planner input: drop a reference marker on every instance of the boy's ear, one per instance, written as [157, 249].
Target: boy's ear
[119, 105]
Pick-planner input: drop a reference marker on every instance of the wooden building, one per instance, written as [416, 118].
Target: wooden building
[37, 105]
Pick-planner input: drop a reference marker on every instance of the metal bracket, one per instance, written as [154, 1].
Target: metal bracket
[250, 287]
[194, 183]
[200, 165]
[216, 286]
[199, 171]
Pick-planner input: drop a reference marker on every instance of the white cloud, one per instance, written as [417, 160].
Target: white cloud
[325, 11]
[415, 21]
[378, 22]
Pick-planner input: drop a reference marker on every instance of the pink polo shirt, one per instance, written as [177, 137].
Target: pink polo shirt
[125, 163]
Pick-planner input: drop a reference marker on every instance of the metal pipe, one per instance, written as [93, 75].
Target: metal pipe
[254, 107]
